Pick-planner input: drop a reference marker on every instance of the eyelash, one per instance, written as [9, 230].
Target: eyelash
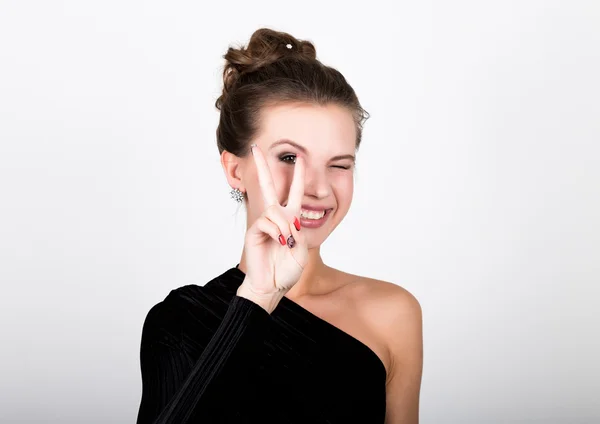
[282, 158]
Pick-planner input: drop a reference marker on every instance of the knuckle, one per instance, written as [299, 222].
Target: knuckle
[270, 210]
[268, 224]
[274, 212]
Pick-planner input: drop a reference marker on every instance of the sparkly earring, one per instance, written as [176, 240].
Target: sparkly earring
[237, 195]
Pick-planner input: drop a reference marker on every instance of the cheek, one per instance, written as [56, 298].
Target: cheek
[344, 189]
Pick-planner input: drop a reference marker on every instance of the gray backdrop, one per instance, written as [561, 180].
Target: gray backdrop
[477, 189]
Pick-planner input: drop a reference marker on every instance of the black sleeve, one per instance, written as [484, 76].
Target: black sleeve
[221, 381]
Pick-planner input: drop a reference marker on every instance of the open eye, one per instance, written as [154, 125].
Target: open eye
[291, 159]
[285, 158]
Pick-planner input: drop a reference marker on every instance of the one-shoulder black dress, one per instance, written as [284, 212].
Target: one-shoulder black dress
[210, 356]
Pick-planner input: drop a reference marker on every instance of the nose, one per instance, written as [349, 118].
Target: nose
[316, 183]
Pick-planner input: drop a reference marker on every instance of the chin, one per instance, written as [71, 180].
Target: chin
[316, 245]
[316, 240]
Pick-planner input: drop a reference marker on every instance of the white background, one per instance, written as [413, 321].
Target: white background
[477, 189]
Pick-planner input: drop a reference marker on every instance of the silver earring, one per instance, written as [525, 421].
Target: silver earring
[237, 195]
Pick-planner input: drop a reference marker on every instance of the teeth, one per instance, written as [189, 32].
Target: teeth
[312, 214]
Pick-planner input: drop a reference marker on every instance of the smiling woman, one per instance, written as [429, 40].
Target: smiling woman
[281, 336]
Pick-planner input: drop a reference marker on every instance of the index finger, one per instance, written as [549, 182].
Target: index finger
[265, 180]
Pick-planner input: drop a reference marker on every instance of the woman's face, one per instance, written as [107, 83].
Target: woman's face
[325, 136]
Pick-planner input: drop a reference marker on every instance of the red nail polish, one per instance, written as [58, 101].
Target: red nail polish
[296, 223]
[282, 240]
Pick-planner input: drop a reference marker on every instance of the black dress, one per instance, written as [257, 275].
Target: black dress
[210, 356]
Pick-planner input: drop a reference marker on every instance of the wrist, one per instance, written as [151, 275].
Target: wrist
[268, 301]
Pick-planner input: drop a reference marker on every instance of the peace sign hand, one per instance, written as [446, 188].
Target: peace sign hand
[275, 249]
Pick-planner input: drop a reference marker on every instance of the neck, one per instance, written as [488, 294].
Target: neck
[310, 282]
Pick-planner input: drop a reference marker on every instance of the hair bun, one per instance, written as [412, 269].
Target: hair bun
[265, 47]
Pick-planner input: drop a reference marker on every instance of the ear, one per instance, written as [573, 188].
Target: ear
[233, 169]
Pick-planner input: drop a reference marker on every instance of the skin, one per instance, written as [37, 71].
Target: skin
[384, 315]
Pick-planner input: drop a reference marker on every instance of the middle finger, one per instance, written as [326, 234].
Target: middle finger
[296, 193]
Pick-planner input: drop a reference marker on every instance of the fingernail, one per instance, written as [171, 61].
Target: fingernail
[252, 147]
[291, 242]
[281, 240]
[297, 224]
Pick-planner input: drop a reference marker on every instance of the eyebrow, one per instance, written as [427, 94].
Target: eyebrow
[303, 149]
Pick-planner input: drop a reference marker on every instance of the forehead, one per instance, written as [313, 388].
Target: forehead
[313, 126]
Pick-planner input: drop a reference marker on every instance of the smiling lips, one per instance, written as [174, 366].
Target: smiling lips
[314, 219]
[313, 216]
[313, 212]
[310, 214]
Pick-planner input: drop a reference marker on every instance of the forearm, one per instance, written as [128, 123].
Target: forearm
[225, 370]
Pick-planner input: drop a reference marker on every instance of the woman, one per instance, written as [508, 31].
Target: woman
[282, 337]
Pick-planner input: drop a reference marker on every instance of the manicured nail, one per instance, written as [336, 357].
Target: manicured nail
[297, 224]
[281, 240]
[291, 242]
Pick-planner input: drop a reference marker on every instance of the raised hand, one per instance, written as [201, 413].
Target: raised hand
[275, 249]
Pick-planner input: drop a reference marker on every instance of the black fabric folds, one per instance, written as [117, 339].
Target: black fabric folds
[210, 356]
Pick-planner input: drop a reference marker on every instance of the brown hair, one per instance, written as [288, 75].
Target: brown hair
[275, 68]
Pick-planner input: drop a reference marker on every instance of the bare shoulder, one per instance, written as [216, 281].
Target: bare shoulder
[383, 299]
[393, 315]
